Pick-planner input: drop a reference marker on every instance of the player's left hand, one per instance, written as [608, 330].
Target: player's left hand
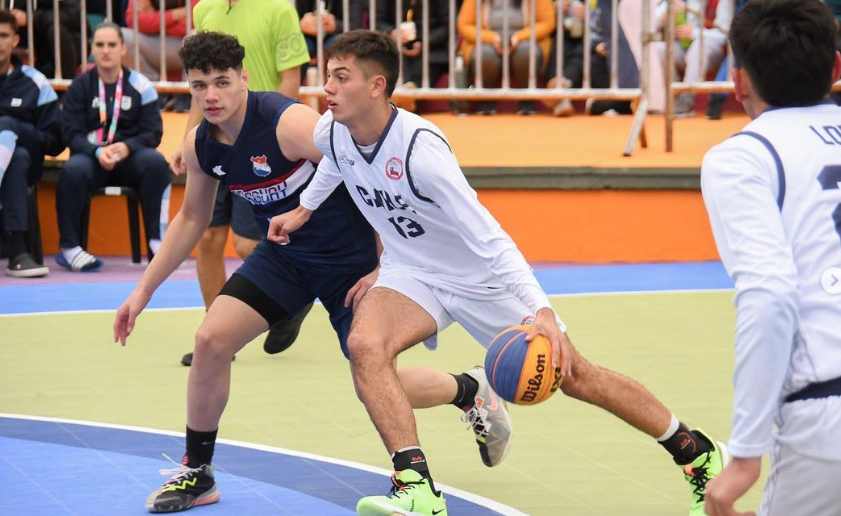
[356, 292]
[730, 485]
[546, 324]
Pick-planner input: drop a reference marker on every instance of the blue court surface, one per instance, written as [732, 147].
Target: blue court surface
[113, 468]
[55, 467]
[573, 279]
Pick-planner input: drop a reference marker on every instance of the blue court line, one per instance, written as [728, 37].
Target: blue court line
[58, 467]
[555, 279]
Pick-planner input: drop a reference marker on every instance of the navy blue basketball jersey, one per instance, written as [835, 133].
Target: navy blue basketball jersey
[254, 168]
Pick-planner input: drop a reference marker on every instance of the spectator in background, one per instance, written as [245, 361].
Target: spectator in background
[111, 122]
[332, 20]
[70, 34]
[519, 18]
[100, 7]
[409, 37]
[148, 40]
[29, 128]
[690, 21]
[573, 76]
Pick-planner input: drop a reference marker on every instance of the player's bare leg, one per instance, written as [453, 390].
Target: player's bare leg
[426, 388]
[210, 265]
[624, 397]
[700, 457]
[385, 324]
[210, 262]
[228, 326]
[244, 246]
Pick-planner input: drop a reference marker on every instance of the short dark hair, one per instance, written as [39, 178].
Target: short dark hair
[208, 51]
[787, 48]
[108, 25]
[6, 16]
[376, 48]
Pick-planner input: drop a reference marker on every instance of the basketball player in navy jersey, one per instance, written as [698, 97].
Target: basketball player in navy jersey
[445, 260]
[259, 145]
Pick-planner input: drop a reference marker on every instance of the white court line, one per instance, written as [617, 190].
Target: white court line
[470, 497]
[578, 294]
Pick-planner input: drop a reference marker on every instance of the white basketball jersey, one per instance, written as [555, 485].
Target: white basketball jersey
[800, 153]
[414, 194]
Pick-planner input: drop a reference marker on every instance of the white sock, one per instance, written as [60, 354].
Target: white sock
[70, 254]
[154, 245]
[673, 426]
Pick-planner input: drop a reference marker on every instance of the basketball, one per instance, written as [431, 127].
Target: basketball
[521, 372]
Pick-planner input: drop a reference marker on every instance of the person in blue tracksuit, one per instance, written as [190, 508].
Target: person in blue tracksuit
[111, 122]
[29, 129]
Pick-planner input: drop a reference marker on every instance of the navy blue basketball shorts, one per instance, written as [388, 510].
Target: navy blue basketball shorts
[236, 211]
[277, 289]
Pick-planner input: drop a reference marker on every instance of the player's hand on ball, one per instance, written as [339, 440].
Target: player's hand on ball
[281, 225]
[546, 324]
[730, 485]
[127, 314]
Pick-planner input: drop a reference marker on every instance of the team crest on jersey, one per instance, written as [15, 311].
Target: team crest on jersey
[261, 167]
[394, 169]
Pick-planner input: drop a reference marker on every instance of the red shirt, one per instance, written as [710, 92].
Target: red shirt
[150, 23]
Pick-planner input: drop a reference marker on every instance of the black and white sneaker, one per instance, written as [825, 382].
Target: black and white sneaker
[187, 488]
[24, 266]
[489, 420]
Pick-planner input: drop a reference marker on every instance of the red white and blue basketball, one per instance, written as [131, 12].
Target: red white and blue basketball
[521, 372]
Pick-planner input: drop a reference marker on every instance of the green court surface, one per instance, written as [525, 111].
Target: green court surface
[568, 459]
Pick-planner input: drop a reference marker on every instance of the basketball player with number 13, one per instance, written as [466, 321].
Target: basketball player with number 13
[445, 259]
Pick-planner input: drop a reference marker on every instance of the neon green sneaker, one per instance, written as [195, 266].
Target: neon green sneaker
[702, 470]
[412, 495]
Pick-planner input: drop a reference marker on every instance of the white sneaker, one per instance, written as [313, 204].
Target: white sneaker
[489, 420]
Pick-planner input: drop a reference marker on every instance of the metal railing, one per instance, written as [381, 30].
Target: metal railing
[638, 96]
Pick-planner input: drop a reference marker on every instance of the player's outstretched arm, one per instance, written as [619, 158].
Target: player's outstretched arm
[182, 236]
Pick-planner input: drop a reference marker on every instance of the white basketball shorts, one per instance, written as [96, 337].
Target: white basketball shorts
[483, 319]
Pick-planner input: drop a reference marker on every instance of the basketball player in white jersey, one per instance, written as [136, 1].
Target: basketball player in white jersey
[773, 193]
[445, 259]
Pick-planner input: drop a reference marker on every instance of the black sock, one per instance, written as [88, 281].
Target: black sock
[466, 394]
[199, 448]
[686, 445]
[15, 243]
[411, 458]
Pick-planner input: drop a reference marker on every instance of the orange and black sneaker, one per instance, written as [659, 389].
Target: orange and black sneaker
[186, 488]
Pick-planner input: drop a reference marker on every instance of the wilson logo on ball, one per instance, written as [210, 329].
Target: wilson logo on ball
[521, 371]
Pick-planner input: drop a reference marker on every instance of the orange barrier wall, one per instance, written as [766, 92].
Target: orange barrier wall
[597, 226]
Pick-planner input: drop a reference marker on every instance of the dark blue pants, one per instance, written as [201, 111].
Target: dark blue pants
[145, 169]
[14, 194]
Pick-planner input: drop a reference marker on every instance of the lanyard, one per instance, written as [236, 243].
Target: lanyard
[103, 115]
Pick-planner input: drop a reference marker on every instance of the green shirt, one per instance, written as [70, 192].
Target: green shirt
[268, 29]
